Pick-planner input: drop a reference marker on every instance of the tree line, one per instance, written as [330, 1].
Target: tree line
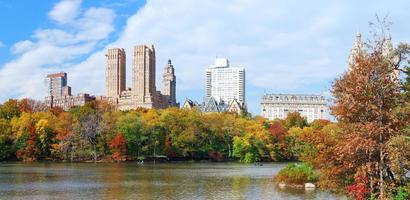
[98, 132]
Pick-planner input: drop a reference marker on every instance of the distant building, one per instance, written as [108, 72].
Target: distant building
[210, 105]
[143, 93]
[60, 93]
[225, 83]
[55, 84]
[358, 49]
[189, 104]
[114, 73]
[277, 106]
[169, 84]
[225, 89]
[143, 76]
[125, 102]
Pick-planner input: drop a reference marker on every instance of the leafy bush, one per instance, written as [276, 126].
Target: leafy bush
[402, 192]
[296, 174]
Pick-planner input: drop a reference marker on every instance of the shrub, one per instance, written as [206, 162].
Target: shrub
[402, 192]
[358, 191]
[296, 174]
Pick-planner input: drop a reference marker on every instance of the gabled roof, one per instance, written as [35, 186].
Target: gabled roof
[210, 105]
[189, 104]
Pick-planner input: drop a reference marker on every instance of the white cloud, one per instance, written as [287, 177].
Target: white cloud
[285, 46]
[22, 46]
[259, 35]
[55, 49]
[65, 11]
[1, 44]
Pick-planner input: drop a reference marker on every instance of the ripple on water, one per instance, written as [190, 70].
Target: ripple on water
[160, 181]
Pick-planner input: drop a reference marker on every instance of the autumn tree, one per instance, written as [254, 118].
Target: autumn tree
[130, 124]
[108, 128]
[64, 138]
[31, 105]
[6, 140]
[366, 98]
[119, 147]
[254, 144]
[25, 137]
[278, 132]
[9, 109]
[294, 119]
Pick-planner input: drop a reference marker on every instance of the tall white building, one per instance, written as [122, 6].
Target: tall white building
[277, 106]
[225, 83]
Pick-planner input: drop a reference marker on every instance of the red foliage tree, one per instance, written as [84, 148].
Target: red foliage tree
[119, 146]
[278, 131]
[31, 151]
[365, 101]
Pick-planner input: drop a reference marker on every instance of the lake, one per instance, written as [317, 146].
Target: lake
[49, 180]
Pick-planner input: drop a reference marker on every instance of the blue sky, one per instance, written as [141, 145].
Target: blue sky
[286, 46]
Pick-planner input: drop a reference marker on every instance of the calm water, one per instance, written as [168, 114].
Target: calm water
[130, 181]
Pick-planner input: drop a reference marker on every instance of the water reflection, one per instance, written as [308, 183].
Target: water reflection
[131, 181]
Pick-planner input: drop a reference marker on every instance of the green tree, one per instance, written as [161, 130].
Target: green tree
[6, 142]
[294, 119]
[9, 109]
[132, 127]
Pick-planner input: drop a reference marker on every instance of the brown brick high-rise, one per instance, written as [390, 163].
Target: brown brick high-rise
[143, 76]
[114, 72]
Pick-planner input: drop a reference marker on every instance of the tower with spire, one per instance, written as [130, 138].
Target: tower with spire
[169, 84]
[388, 52]
[356, 51]
[386, 47]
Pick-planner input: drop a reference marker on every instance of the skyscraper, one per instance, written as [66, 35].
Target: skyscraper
[143, 93]
[56, 83]
[143, 76]
[114, 72]
[225, 83]
[169, 84]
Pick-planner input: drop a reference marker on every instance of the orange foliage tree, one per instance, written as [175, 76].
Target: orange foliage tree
[119, 147]
[365, 101]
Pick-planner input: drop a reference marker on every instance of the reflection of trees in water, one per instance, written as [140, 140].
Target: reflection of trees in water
[161, 181]
[240, 185]
[309, 194]
[113, 179]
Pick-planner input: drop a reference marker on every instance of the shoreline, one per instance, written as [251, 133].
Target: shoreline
[148, 162]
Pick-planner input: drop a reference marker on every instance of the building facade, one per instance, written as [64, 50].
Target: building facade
[126, 100]
[169, 84]
[55, 84]
[225, 83]
[210, 105]
[277, 106]
[358, 49]
[60, 93]
[115, 72]
[143, 76]
[143, 92]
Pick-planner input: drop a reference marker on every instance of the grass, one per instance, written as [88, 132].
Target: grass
[297, 174]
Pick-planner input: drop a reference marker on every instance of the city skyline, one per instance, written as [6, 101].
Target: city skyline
[143, 92]
[282, 53]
